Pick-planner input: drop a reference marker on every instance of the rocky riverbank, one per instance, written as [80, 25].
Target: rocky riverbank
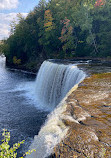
[89, 136]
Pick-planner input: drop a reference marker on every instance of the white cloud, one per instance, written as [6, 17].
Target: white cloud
[8, 4]
[5, 20]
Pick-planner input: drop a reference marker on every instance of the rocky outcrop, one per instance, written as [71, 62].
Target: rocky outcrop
[89, 136]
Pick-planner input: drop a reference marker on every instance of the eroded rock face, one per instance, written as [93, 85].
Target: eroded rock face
[90, 134]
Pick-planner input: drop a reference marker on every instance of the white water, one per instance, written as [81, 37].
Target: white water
[23, 120]
[52, 86]
[54, 81]
[2, 60]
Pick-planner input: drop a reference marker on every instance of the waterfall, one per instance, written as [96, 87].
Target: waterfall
[54, 83]
[2, 60]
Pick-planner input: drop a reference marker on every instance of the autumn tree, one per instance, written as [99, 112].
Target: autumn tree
[67, 36]
[99, 3]
[48, 21]
[61, 29]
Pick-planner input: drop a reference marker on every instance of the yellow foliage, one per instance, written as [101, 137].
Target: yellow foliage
[48, 21]
[16, 61]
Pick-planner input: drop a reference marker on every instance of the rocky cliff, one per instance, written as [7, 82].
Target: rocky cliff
[89, 136]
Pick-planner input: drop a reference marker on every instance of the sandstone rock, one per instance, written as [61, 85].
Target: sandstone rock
[89, 136]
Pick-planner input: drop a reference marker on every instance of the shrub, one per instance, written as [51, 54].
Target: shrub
[10, 152]
[16, 61]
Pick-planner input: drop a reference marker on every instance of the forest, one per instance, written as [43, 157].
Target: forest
[61, 29]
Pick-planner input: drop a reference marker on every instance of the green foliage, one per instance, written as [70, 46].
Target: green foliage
[61, 29]
[8, 152]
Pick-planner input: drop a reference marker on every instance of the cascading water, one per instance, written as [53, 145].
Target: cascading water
[52, 85]
[2, 60]
[54, 81]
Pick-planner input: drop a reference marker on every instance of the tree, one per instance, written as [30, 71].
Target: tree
[48, 21]
[61, 29]
[66, 36]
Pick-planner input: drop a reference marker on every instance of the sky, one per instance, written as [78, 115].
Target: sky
[9, 10]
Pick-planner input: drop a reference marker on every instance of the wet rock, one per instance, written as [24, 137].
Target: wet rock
[90, 134]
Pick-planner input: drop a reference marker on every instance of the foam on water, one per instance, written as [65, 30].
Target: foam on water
[53, 85]
[2, 60]
[54, 81]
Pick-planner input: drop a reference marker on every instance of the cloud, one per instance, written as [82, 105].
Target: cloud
[8, 4]
[5, 21]
[3, 31]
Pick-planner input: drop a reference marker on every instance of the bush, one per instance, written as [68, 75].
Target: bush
[10, 152]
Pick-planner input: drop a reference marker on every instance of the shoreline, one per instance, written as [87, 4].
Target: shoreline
[36, 65]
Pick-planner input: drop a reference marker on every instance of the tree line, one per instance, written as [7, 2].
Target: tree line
[61, 29]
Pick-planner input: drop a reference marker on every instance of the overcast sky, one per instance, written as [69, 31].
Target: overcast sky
[9, 10]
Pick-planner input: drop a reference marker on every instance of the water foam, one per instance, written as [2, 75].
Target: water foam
[50, 134]
[53, 86]
[2, 60]
[54, 81]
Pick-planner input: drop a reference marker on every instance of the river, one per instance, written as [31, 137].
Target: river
[18, 112]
